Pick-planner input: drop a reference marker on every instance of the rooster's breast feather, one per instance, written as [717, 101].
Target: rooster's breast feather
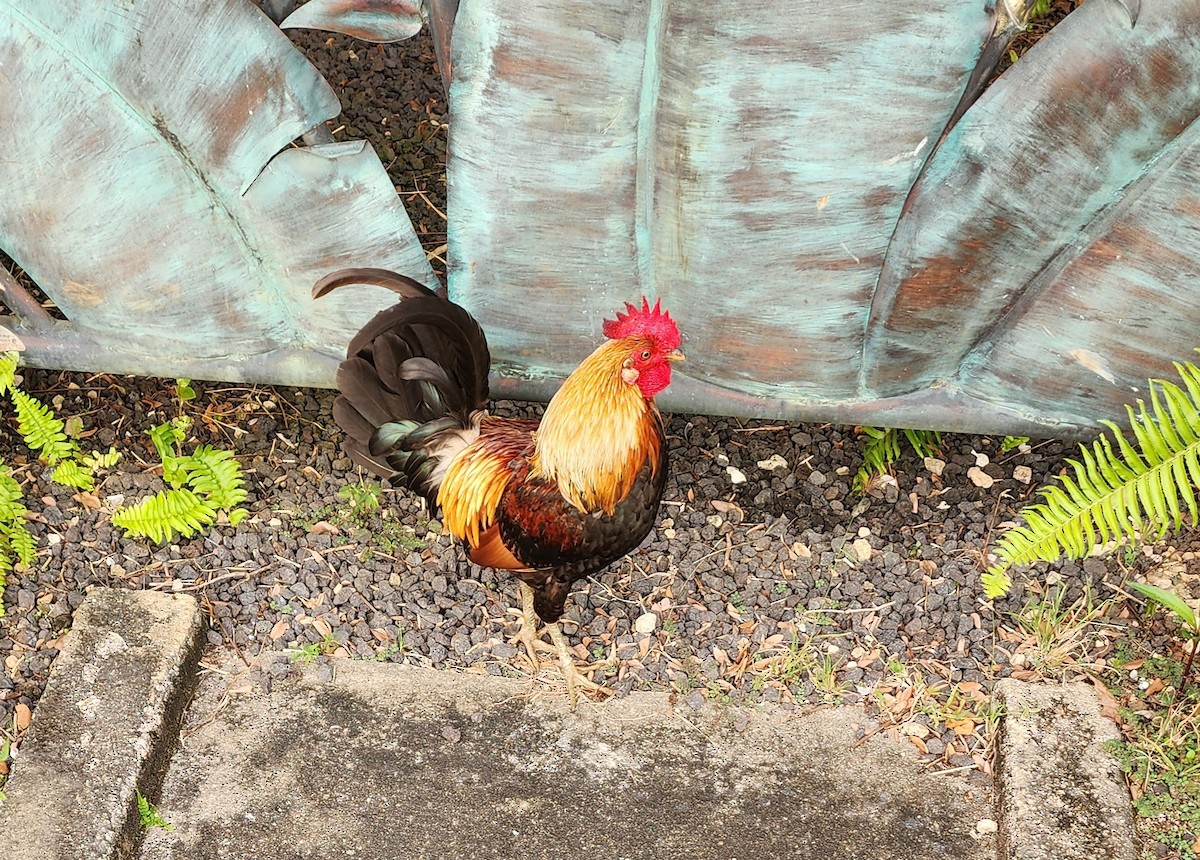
[542, 529]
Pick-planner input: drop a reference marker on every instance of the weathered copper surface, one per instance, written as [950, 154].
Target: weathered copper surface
[847, 225]
[153, 192]
[789, 181]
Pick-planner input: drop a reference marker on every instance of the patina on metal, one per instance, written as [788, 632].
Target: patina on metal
[847, 224]
[848, 220]
[155, 194]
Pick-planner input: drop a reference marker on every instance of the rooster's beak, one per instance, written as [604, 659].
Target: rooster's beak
[675, 355]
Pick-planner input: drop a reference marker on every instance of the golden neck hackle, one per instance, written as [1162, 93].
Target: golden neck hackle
[597, 432]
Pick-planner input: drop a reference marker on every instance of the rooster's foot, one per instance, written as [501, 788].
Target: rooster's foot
[574, 678]
[529, 635]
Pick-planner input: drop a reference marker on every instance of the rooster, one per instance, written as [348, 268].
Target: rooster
[553, 501]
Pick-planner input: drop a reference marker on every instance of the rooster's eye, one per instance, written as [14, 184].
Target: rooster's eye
[645, 355]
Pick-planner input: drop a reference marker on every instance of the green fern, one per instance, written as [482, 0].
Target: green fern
[70, 473]
[21, 542]
[40, 429]
[215, 473]
[15, 540]
[1119, 488]
[165, 514]
[882, 449]
[8, 370]
[94, 462]
[166, 438]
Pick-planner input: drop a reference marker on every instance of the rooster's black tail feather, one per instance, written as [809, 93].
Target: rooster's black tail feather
[415, 373]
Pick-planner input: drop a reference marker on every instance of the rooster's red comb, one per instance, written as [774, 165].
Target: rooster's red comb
[648, 321]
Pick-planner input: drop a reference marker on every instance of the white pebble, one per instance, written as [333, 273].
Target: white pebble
[986, 825]
[979, 477]
[773, 463]
[646, 623]
[736, 475]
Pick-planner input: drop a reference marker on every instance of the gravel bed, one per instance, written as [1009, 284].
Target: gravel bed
[783, 586]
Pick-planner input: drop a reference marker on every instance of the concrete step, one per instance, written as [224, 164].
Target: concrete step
[385, 761]
[104, 728]
[377, 762]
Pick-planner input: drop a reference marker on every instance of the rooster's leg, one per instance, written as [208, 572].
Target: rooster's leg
[571, 672]
[528, 634]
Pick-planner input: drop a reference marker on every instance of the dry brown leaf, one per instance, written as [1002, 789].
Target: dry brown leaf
[23, 716]
[322, 626]
[1155, 686]
[88, 500]
[1109, 706]
[724, 507]
[970, 687]
[279, 629]
[962, 728]
[324, 528]
[918, 743]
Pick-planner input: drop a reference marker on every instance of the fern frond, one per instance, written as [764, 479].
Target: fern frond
[1120, 487]
[925, 443]
[15, 539]
[10, 490]
[94, 462]
[165, 514]
[70, 473]
[214, 473]
[8, 370]
[880, 451]
[165, 436]
[21, 542]
[996, 582]
[40, 429]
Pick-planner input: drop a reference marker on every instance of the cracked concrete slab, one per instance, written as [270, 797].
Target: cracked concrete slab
[1062, 795]
[390, 761]
[381, 761]
[103, 728]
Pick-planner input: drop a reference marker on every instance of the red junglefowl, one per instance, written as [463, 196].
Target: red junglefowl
[552, 501]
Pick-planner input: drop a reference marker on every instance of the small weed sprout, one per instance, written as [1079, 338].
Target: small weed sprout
[149, 815]
[883, 449]
[1188, 620]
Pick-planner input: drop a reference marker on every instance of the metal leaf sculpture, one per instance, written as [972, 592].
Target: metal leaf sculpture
[152, 190]
[844, 227]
